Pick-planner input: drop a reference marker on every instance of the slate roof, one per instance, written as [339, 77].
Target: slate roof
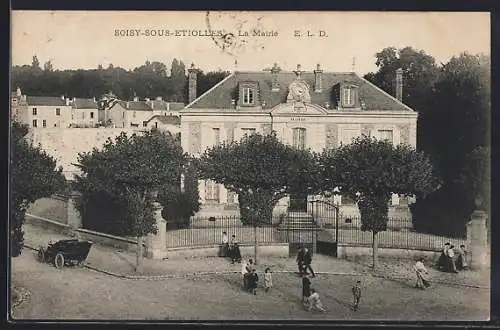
[80, 103]
[172, 120]
[45, 100]
[220, 97]
[135, 105]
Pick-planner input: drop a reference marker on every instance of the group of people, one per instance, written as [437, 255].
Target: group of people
[230, 248]
[453, 260]
[449, 261]
[312, 301]
[251, 278]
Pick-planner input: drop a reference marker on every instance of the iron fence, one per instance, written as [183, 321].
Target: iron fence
[207, 231]
[399, 234]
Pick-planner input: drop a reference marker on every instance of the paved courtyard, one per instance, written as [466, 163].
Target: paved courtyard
[81, 293]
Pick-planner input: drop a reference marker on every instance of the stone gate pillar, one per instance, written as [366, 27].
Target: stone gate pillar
[156, 244]
[477, 240]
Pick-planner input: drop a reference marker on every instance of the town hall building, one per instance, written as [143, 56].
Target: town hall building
[307, 109]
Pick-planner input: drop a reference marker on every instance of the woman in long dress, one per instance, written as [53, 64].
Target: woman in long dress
[423, 280]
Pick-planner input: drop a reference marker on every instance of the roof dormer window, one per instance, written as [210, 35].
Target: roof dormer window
[248, 95]
[349, 96]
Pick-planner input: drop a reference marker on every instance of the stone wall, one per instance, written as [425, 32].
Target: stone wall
[64, 144]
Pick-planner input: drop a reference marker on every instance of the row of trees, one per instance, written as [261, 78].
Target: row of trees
[151, 79]
[262, 170]
[454, 103]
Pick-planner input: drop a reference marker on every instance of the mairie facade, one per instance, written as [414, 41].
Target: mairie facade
[307, 109]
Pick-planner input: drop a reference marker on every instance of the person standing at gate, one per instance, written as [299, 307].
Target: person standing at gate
[224, 247]
[235, 250]
[300, 260]
[307, 262]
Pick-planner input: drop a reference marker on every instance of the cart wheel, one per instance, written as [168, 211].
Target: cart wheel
[41, 254]
[59, 261]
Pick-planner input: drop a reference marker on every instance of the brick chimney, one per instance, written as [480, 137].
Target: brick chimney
[192, 81]
[399, 84]
[318, 79]
[275, 84]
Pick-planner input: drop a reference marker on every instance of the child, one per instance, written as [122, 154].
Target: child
[268, 281]
[253, 280]
[315, 302]
[356, 292]
[462, 258]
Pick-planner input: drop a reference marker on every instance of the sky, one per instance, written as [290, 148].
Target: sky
[348, 41]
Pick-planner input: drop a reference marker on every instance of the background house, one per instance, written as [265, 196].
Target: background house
[84, 112]
[18, 106]
[164, 108]
[307, 109]
[168, 123]
[44, 111]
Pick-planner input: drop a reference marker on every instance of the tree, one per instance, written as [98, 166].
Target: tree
[420, 73]
[178, 79]
[260, 169]
[133, 168]
[33, 175]
[47, 66]
[370, 171]
[475, 177]
[457, 122]
[35, 64]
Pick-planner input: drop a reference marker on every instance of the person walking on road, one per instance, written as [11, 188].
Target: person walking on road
[300, 260]
[356, 293]
[307, 262]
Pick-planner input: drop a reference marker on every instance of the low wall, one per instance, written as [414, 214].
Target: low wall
[55, 226]
[351, 251]
[84, 234]
[275, 250]
[108, 240]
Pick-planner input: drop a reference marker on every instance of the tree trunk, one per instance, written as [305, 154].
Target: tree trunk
[374, 250]
[255, 243]
[138, 264]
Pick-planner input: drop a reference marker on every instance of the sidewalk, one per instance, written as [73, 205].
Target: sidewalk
[122, 263]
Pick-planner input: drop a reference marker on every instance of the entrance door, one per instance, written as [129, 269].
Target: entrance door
[298, 203]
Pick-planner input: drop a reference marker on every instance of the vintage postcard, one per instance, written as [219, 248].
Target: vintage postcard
[264, 166]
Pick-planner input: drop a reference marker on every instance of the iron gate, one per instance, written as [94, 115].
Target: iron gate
[300, 227]
[326, 215]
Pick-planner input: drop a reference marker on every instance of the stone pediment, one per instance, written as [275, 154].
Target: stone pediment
[294, 108]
